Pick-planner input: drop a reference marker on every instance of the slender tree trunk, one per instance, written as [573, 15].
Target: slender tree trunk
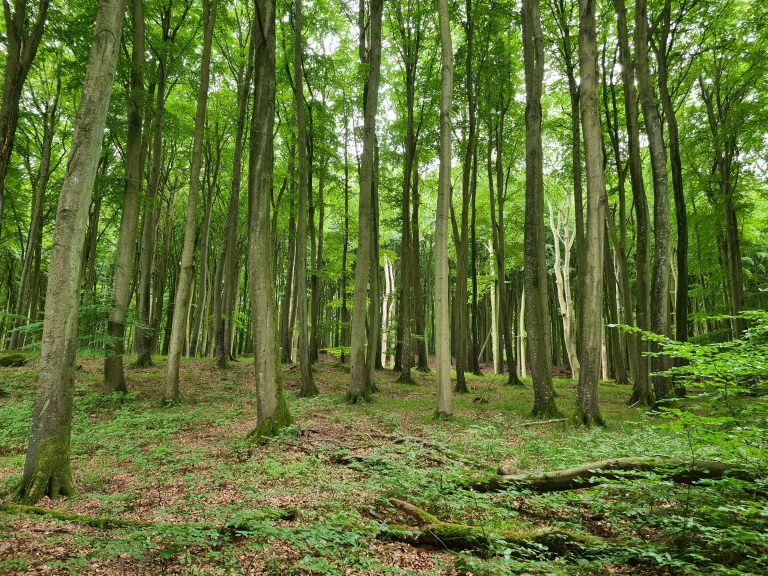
[290, 283]
[442, 314]
[537, 307]
[616, 344]
[34, 239]
[230, 273]
[22, 37]
[114, 374]
[308, 388]
[497, 235]
[642, 392]
[418, 300]
[370, 57]
[676, 165]
[345, 249]
[212, 177]
[144, 336]
[187, 267]
[662, 234]
[47, 470]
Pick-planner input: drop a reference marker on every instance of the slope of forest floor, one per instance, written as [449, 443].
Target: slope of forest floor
[317, 499]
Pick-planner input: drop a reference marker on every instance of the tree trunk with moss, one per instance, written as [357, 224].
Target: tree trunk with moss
[536, 285]
[271, 409]
[47, 468]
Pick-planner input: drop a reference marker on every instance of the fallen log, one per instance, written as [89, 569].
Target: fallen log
[109, 522]
[594, 473]
[431, 531]
[541, 422]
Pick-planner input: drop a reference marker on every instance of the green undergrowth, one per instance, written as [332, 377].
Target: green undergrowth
[337, 466]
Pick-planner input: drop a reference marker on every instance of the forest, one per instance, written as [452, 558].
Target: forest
[417, 287]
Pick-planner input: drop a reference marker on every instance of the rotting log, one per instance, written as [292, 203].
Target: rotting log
[431, 531]
[594, 473]
[107, 522]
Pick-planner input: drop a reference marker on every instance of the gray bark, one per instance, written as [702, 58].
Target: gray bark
[442, 314]
[187, 267]
[47, 469]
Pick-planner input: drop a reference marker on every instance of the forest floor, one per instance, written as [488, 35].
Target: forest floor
[316, 499]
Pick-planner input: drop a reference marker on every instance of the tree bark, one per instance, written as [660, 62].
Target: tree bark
[662, 234]
[47, 469]
[536, 287]
[114, 374]
[642, 392]
[187, 266]
[308, 388]
[271, 409]
[370, 57]
[442, 314]
[587, 406]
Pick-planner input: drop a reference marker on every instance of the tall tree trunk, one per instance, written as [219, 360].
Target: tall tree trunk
[642, 392]
[308, 388]
[213, 167]
[662, 234]
[442, 314]
[230, 273]
[344, 341]
[47, 470]
[271, 409]
[34, 239]
[187, 266]
[144, 336]
[614, 336]
[418, 304]
[563, 12]
[317, 266]
[587, 406]
[290, 283]
[497, 235]
[22, 37]
[675, 162]
[620, 243]
[370, 58]
[114, 374]
[537, 306]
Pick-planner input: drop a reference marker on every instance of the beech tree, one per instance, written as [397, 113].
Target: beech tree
[47, 470]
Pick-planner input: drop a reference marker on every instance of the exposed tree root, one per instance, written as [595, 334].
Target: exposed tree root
[105, 522]
[594, 473]
[431, 531]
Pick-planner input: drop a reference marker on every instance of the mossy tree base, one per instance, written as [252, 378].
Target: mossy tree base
[271, 426]
[513, 380]
[52, 481]
[431, 531]
[546, 410]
